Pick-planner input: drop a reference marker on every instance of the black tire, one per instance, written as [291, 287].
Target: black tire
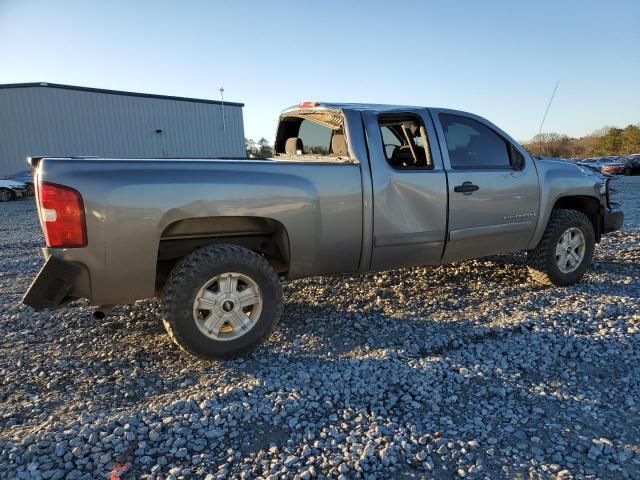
[191, 273]
[627, 171]
[543, 267]
[6, 195]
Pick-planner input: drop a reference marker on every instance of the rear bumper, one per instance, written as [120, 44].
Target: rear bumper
[52, 285]
[612, 221]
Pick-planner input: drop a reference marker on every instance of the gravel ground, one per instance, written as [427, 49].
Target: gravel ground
[458, 371]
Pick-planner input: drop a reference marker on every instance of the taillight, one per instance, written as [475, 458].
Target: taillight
[62, 216]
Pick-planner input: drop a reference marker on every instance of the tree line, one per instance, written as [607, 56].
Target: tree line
[603, 142]
[259, 149]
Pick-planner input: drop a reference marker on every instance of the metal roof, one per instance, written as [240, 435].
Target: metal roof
[118, 92]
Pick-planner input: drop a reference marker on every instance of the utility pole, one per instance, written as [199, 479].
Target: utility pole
[224, 123]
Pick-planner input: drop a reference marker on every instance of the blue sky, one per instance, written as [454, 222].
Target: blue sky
[499, 59]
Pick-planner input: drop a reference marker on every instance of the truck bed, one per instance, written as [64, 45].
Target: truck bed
[131, 203]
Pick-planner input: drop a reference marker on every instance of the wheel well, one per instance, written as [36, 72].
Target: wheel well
[265, 236]
[590, 206]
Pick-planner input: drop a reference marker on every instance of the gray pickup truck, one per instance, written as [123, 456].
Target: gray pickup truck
[351, 188]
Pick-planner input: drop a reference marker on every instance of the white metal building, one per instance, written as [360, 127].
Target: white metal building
[62, 120]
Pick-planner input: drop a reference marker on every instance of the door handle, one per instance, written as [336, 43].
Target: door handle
[466, 188]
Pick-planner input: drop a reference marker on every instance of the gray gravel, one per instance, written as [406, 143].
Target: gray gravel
[459, 371]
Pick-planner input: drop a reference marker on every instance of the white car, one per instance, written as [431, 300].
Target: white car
[10, 190]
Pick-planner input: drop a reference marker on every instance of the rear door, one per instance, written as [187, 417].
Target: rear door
[409, 189]
[493, 187]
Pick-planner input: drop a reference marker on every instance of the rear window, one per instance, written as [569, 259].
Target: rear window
[316, 138]
[310, 135]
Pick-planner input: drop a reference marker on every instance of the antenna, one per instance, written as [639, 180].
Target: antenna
[224, 124]
[547, 111]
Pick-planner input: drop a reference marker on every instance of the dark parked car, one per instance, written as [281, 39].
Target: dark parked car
[621, 166]
[633, 161]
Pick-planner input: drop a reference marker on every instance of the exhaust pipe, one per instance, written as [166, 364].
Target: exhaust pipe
[102, 311]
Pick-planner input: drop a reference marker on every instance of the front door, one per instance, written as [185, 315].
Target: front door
[409, 189]
[493, 188]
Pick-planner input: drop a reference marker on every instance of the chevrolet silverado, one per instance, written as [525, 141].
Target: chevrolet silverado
[350, 188]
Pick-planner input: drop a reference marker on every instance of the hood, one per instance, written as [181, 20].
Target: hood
[569, 167]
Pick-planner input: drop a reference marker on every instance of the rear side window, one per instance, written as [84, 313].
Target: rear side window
[472, 144]
[316, 138]
[404, 142]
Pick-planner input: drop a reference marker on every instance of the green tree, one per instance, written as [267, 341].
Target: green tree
[550, 145]
[250, 147]
[631, 139]
[610, 143]
[264, 149]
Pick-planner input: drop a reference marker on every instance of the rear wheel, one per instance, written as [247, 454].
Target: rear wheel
[627, 171]
[565, 251]
[6, 195]
[221, 301]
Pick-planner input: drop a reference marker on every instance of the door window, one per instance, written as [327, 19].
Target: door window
[474, 145]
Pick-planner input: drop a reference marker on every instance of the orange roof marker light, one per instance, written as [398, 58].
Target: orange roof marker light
[308, 104]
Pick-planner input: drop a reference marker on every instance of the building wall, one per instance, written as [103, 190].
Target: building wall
[63, 122]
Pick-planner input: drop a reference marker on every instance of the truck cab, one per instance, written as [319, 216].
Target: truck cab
[443, 185]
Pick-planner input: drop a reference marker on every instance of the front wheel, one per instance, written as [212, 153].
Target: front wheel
[6, 195]
[221, 301]
[565, 250]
